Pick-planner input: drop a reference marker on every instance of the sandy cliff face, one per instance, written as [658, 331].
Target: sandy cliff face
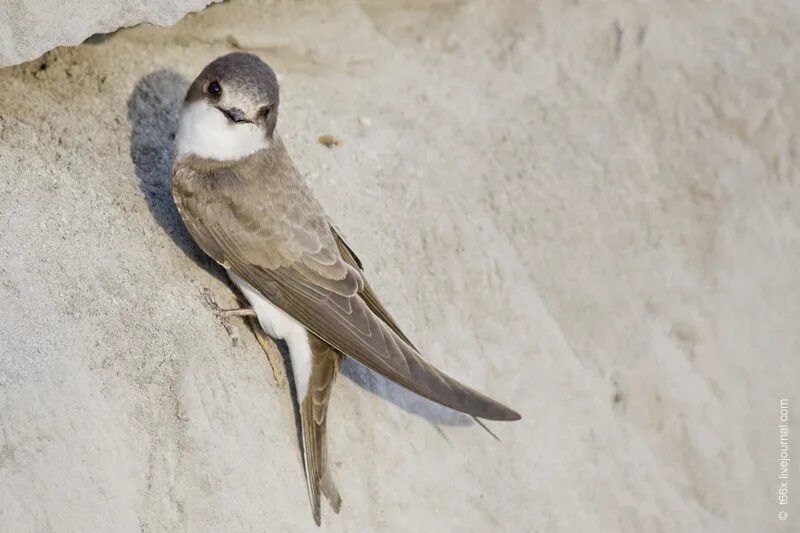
[589, 211]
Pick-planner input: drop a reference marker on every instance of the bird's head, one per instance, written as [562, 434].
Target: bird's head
[230, 110]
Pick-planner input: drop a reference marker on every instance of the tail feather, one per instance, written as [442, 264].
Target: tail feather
[313, 417]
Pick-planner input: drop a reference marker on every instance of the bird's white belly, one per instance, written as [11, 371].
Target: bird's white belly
[280, 325]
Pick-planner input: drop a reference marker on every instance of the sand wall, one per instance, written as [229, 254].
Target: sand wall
[589, 210]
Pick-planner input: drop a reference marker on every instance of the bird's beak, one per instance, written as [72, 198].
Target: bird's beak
[234, 114]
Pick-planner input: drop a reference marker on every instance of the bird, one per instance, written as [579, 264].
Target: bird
[247, 206]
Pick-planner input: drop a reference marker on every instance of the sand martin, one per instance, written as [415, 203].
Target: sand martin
[248, 207]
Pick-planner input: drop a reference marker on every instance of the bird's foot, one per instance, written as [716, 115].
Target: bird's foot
[225, 313]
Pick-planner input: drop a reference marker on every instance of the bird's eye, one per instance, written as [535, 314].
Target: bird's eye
[265, 111]
[214, 89]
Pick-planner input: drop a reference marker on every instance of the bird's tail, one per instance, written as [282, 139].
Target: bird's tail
[313, 416]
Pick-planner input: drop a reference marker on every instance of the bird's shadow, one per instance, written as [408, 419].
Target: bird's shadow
[401, 397]
[153, 109]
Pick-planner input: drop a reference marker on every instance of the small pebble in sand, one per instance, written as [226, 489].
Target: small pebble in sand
[329, 140]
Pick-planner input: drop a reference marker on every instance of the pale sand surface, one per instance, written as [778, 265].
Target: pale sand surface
[588, 210]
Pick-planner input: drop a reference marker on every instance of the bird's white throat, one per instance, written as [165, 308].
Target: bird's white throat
[205, 132]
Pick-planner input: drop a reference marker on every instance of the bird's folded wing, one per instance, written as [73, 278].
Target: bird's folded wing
[279, 241]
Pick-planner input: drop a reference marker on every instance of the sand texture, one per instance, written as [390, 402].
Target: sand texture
[589, 210]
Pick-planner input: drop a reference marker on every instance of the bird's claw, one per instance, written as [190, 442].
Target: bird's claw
[225, 313]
